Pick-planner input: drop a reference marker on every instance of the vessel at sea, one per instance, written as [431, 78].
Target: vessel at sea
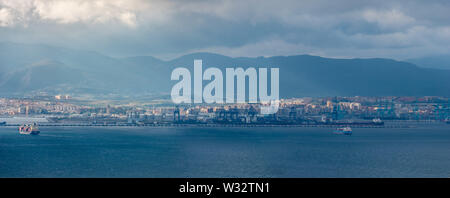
[30, 129]
[343, 131]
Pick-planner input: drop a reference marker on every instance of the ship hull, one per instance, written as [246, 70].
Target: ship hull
[29, 133]
[342, 133]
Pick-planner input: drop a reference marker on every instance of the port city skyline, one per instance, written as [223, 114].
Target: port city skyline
[357, 111]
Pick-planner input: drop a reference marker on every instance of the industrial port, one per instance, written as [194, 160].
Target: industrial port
[296, 112]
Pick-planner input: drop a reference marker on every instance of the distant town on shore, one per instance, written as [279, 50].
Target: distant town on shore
[355, 111]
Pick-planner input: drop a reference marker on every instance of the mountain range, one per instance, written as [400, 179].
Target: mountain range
[437, 61]
[33, 68]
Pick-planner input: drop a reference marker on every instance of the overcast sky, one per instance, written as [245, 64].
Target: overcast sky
[165, 29]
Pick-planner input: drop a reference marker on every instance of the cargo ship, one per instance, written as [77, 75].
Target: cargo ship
[343, 131]
[32, 129]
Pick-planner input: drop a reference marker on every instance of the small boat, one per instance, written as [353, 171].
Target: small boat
[30, 129]
[377, 121]
[343, 131]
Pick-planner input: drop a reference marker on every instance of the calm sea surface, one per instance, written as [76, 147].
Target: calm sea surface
[225, 152]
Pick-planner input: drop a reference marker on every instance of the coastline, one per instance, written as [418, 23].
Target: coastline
[407, 124]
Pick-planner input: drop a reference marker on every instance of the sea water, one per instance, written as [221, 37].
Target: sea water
[225, 152]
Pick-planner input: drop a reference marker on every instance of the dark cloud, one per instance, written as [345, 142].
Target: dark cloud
[350, 28]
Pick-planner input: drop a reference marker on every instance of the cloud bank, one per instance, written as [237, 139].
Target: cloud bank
[23, 12]
[349, 28]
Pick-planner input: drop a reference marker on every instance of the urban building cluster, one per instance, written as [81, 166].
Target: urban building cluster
[308, 110]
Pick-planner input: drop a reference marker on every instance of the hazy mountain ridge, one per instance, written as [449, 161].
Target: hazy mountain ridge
[26, 68]
[437, 61]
